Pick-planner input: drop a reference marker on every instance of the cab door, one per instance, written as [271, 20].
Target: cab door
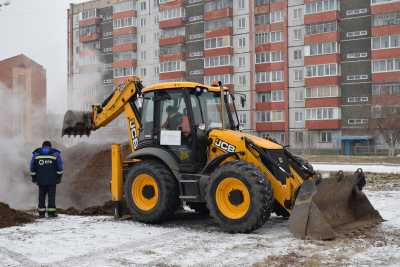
[173, 126]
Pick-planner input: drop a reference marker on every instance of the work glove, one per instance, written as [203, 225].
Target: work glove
[58, 180]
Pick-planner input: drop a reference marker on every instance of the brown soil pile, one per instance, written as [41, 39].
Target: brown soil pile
[106, 209]
[87, 174]
[10, 217]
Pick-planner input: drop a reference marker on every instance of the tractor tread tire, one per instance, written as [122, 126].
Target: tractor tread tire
[168, 192]
[260, 193]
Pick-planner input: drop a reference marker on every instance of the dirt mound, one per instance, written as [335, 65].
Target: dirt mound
[10, 217]
[106, 209]
[87, 174]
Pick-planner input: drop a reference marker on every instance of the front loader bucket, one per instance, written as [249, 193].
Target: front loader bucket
[331, 207]
[77, 123]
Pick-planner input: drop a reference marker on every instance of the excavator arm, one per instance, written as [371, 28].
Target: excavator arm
[122, 100]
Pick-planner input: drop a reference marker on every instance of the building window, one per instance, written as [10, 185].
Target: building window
[299, 116]
[124, 55]
[322, 92]
[321, 6]
[299, 137]
[124, 39]
[386, 89]
[123, 72]
[356, 34]
[172, 13]
[142, 39]
[241, 4]
[88, 30]
[387, 41]
[325, 137]
[242, 61]
[217, 24]
[143, 55]
[357, 121]
[224, 78]
[297, 54]
[268, 37]
[242, 42]
[107, 50]
[217, 42]
[298, 34]
[143, 6]
[383, 19]
[88, 14]
[174, 32]
[299, 95]
[270, 116]
[357, 55]
[217, 4]
[272, 96]
[357, 77]
[321, 28]
[242, 23]
[325, 113]
[269, 57]
[357, 99]
[297, 13]
[321, 49]
[268, 18]
[217, 61]
[143, 22]
[269, 77]
[143, 72]
[242, 117]
[242, 80]
[386, 65]
[171, 66]
[124, 22]
[322, 70]
[353, 12]
[124, 6]
[298, 75]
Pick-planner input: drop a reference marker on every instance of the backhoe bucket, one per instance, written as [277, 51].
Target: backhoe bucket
[77, 123]
[332, 207]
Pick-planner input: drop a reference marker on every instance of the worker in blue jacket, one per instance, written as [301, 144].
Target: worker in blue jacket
[46, 171]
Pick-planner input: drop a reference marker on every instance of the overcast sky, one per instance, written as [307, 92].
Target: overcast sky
[38, 29]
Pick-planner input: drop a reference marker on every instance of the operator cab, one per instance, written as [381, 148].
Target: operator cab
[178, 116]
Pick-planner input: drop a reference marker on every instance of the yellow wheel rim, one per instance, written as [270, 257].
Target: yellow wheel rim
[145, 192]
[233, 198]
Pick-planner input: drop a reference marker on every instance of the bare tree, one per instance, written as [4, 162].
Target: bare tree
[386, 120]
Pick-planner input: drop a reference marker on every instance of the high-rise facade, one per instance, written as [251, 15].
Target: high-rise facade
[313, 71]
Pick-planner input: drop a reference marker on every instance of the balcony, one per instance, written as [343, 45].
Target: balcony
[321, 17]
[172, 40]
[172, 23]
[124, 30]
[219, 32]
[89, 37]
[270, 126]
[124, 47]
[172, 57]
[384, 8]
[124, 14]
[91, 21]
[218, 70]
[172, 75]
[218, 14]
[266, 8]
[323, 102]
[323, 124]
[126, 63]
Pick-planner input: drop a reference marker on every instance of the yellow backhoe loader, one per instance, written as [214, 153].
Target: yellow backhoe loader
[187, 147]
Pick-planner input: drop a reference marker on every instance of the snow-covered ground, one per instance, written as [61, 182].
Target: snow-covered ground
[193, 241]
[351, 167]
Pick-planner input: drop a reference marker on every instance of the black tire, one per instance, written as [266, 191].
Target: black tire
[168, 193]
[281, 211]
[199, 207]
[259, 189]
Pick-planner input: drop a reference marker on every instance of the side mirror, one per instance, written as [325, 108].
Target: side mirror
[243, 101]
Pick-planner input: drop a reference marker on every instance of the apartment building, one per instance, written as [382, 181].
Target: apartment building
[23, 91]
[313, 71]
